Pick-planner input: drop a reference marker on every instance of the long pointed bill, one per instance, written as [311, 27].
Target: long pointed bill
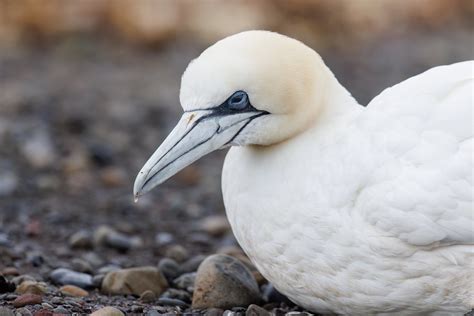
[196, 134]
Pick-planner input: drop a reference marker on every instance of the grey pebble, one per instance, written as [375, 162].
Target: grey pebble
[185, 281]
[171, 302]
[192, 264]
[47, 305]
[163, 239]
[23, 312]
[214, 312]
[65, 276]
[152, 312]
[4, 311]
[60, 310]
[169, 268]
[81, 239]
[255, 310]
[177, 294]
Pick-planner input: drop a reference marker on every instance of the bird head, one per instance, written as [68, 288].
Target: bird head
[255, 88]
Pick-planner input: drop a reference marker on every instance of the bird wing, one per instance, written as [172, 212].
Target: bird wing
[422, 188]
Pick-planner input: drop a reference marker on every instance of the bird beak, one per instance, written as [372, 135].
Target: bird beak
[196, 134]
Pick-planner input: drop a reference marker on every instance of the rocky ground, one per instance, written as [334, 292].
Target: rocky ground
[77, 121]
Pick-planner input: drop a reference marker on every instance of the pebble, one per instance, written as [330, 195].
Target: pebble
[169, 268]
[109, 237]
[224, 282]
[135, 281]
[23, 312]
[108, 311]
[4, 311]
[148, 296]
[81, 265]
[74, 291]
[60, 310]
[46, 305]
[8, 182]
[214, 312]
[216, 225]
[192, 264]
[177, 253]
[178, 294]
[185, 281]
[21, 278]
[27, 299]
[171, 302]
[38, 149]
[43, 312]
[81, 240]
[163, 239]
[65, 276]
[32, 287]
[10, 271]
[255, 310]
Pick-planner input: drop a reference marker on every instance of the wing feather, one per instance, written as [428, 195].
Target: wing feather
[422, 192]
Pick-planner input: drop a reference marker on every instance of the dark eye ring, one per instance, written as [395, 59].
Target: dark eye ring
[238, 101]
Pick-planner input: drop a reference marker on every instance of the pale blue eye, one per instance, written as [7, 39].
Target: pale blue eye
[238, 101]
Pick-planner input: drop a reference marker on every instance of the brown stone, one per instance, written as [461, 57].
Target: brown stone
[135, 281]
[72, 290]
[27, 299]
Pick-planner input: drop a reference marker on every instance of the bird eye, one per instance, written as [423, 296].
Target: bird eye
[238, 101]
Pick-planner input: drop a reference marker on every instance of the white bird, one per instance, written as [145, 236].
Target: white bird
[345, 209]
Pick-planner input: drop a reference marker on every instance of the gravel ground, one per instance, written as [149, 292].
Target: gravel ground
[77, 121]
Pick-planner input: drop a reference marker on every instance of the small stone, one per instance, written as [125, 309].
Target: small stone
[81, 239]
[106, 236]
[74, 291]
[164, 239]
[169, 268]
[255, 310]
[177, 294]
[152, 312]
[23, 312]
[224, 282]
[60, 310]
[27, 299]
[24, 277]
[97, 280]
[296, 313]
[81, 265]
[65, 276]
[214, 312]
[38, 149]
[148, 296]
[10, 271]
[171, 302]
[4, 311]
[32, 287]
[177, 253]
[134, 281]
[43, 312]
[192, 264]
[5, 286]
[185, 281]
[136, 309]
[46, 305]
[216, 225]
[108, 311]
[8, 182]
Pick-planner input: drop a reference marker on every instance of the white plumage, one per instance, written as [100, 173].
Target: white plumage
[343, 208]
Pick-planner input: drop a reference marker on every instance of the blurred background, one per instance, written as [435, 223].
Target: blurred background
[89, 89]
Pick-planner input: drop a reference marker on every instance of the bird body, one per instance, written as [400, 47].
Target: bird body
[345, 209]
[370, 212]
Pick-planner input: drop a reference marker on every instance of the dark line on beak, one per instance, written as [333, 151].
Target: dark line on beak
[245, 125]
[169, 163]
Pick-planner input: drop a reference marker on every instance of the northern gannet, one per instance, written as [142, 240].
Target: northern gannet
[345, 209]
